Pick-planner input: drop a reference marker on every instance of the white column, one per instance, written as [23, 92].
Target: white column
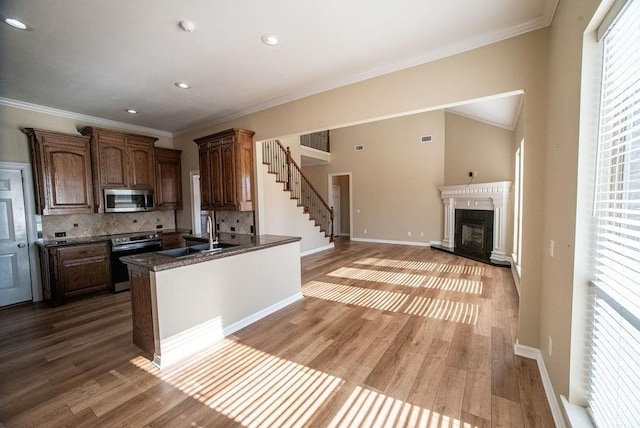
[499, 253]
[449, 223]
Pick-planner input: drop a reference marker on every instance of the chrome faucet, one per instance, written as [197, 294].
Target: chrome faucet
[212, 241]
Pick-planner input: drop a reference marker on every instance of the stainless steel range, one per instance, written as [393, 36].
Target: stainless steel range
[127, 245]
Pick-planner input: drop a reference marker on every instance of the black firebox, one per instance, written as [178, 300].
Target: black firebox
[474, 234]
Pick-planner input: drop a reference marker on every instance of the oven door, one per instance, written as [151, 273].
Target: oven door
[119, 271]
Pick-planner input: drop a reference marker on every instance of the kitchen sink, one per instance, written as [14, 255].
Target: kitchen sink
[195, 249]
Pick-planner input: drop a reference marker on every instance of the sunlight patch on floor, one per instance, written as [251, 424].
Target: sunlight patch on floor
[455, 284]
[425, 266]
[407, 279]
[257, 389]
[442, 309]
[367, 408]
[251, 387]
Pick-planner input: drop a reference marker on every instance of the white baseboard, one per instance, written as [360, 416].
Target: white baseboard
[230, 329]
[535, 354]
[516, 276]
[436, 243]
[317, 250]
[386, 241]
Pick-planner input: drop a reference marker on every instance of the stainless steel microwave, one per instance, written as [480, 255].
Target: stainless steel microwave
[127, 200]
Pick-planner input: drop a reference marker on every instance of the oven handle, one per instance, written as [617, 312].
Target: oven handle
[137, 245]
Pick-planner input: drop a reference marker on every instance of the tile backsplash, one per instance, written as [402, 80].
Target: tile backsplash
[83, 225]
[241, 222]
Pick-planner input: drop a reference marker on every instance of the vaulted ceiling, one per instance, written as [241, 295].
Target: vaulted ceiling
[98, 58]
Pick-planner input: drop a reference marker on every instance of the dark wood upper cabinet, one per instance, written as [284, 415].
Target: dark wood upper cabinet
[141, 164]
[226, 170]
[168, 179]
[62, 172]
[120, 160]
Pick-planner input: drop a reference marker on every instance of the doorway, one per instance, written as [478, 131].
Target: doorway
[340, 191]
[18, 266]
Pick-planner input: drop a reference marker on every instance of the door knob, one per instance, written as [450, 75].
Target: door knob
[21, 245]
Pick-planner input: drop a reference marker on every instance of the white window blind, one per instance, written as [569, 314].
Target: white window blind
[614, 389]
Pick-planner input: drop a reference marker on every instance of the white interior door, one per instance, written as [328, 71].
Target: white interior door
[15, 277]
[335, 202]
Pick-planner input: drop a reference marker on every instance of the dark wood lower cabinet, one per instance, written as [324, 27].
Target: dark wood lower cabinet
[74, 271]
[141, 310]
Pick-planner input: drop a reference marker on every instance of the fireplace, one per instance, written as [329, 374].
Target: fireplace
[484, 209]
[474, 234]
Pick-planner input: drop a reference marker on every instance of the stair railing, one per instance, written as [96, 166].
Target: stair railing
[281, 163]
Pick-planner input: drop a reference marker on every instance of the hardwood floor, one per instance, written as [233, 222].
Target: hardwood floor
[386, 335]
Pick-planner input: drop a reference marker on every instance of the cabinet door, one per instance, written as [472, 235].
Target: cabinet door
[141, 165]
[113, 164]
[68, 172]
[206, 202]
[228, 176]
[168, 180]
[244, 175]
[84, 268]
[62, 170]
[217, 176]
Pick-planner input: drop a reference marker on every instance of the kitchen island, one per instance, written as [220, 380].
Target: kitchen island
[181, 305]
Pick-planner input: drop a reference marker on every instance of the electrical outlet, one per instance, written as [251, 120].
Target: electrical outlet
[365, 231]
[552, 246]
[408, 233]
[470, 173]
[60, 234]
[550, 346]
[421, 233]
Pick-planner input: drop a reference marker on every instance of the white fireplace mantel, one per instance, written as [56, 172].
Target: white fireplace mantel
[482, 196]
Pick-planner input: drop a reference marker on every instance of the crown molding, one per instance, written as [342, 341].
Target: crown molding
[495, 36]
[84, 118]
[482, 120]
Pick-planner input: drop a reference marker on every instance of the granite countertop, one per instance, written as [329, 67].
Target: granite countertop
[245, 243]
[64, 241]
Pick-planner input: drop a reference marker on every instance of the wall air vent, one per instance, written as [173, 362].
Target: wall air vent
[425, 139]
[359, 147]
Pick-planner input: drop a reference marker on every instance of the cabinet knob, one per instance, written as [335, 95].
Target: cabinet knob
[21, 245]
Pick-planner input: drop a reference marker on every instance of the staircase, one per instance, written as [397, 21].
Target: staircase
[279, 162]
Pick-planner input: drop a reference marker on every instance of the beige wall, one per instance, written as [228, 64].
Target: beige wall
[476, 146]
[14, 145]
[395, 177]
[561, 162]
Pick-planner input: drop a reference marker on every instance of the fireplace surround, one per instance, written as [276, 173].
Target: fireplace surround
[493, 197]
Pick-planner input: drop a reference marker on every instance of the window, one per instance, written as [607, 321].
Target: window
[614, 389]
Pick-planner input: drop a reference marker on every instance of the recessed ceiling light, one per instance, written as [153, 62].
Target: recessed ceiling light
[187, 26]
[182, 85]
[131, 111]
[16, 23]
[270, 39]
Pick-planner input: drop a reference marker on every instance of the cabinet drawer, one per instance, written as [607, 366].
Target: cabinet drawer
[83, 251]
